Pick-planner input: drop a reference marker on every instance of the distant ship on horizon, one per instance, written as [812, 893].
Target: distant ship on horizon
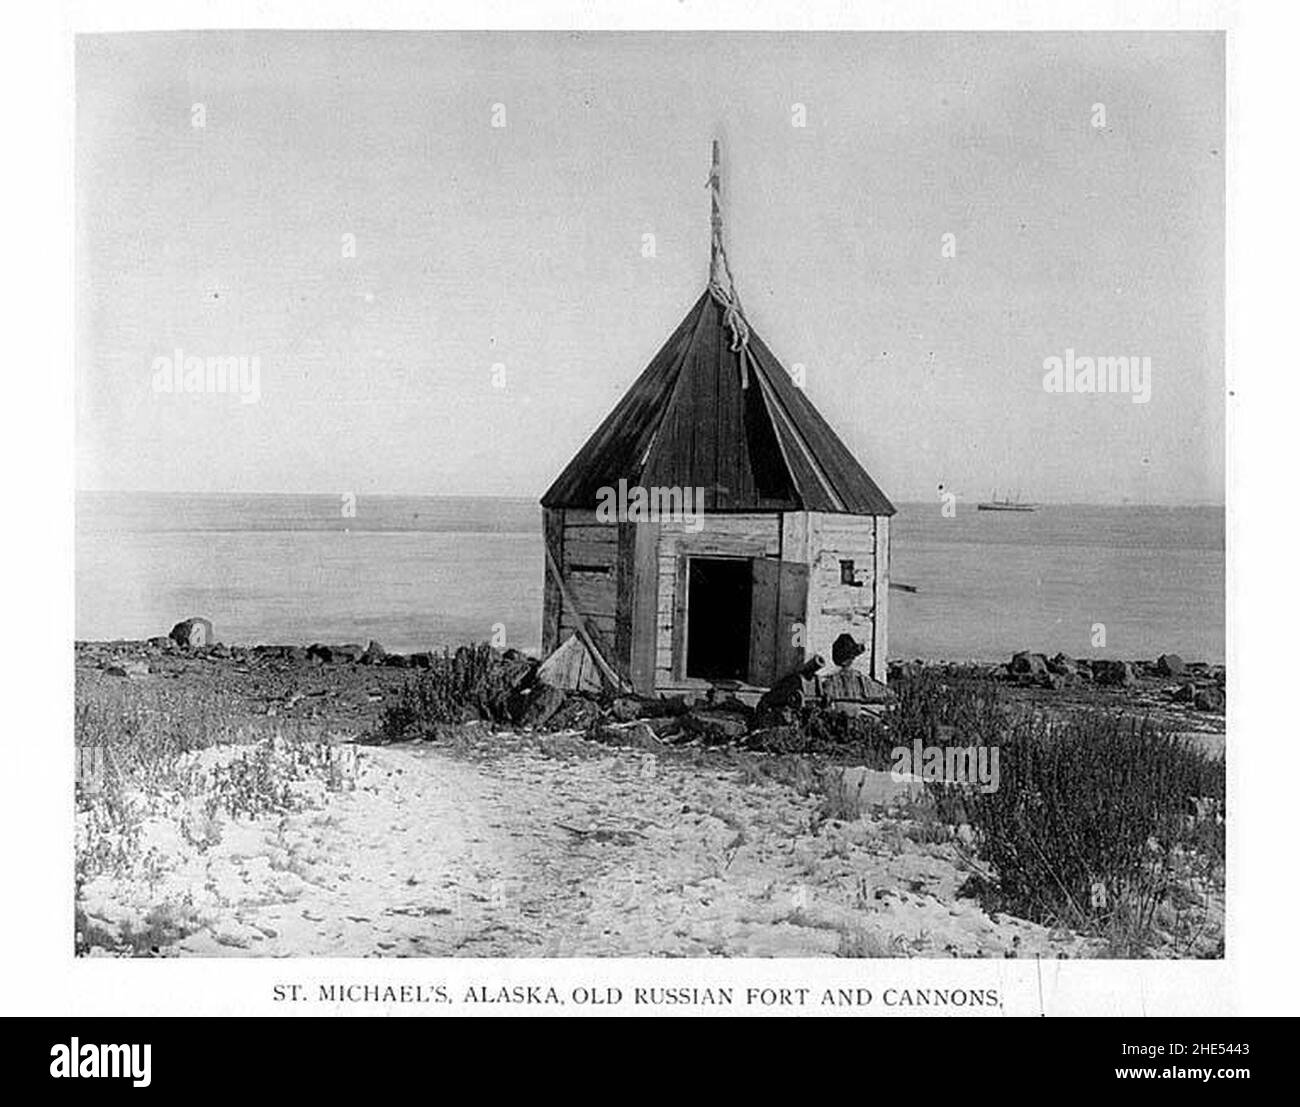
[1005, 504]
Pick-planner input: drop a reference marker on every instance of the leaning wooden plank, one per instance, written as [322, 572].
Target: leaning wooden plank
[585, 632]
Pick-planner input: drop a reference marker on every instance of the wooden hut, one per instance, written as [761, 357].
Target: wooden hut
[792, 547]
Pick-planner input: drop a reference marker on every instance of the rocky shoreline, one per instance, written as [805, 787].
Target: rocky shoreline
[302, 680]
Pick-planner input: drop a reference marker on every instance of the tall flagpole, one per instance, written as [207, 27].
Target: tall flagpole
[721, 285]
[715, 222]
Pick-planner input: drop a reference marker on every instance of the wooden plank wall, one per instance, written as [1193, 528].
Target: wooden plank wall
[644, 587]
[589, 558]
[552, 603]
[823, 540]
[630, 581]
[880, 644]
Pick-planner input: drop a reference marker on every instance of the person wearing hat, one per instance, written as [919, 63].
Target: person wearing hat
[847, 690]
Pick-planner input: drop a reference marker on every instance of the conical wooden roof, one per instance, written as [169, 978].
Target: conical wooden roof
[752, 440]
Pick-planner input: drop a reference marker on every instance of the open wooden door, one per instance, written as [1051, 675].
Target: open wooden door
[779, 603]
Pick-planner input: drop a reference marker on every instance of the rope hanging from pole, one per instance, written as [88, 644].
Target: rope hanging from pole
[722, 286]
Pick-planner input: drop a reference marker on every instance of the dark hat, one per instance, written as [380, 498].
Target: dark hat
[845, 649]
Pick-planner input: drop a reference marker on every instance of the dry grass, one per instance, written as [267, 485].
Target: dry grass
[465, 686]
[1102, 823]
[1093, 824]
[149, 752]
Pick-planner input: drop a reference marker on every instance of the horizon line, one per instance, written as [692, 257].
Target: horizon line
[537, 498]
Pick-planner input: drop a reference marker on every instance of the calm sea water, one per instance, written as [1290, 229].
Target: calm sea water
[420, 572]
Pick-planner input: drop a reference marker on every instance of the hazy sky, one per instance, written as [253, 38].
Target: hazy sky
[523, 246]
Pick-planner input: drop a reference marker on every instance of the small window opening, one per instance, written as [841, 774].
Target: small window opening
[848, 575]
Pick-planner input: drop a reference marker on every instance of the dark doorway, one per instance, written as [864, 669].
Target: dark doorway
[717, 618]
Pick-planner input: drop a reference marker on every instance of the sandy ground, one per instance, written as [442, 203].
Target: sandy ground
[542, 845]
[559, 847]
